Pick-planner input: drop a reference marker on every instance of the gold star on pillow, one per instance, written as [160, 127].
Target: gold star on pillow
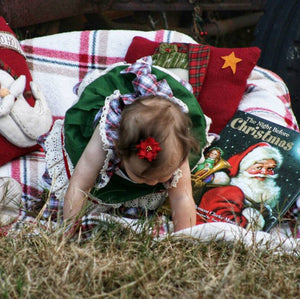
[231, 61]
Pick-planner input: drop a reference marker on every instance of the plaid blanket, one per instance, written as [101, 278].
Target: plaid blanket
[59, 62]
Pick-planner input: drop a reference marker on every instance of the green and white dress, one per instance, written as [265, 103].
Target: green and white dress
[102, 96]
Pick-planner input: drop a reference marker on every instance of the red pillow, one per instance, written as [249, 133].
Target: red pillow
[13, 61]
[221, 87]
[139, 48]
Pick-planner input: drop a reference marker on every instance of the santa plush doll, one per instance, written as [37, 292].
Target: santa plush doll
[24, 113]
[24, 116]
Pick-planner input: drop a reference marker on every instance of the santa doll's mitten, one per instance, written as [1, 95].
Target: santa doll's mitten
[10, 201]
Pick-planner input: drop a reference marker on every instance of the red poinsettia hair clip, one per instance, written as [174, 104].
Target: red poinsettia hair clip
[148, 149]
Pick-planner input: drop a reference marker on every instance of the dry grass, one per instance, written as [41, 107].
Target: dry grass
[117, 263]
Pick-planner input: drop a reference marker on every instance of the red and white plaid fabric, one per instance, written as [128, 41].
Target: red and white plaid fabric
[58, 62]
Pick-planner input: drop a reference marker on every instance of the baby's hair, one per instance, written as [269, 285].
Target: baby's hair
[157, 117]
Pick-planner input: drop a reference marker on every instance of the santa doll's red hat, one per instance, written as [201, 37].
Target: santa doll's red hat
[254, 153]
[12, 58]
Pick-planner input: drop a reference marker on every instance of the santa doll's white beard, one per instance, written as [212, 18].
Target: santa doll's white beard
[266, 191]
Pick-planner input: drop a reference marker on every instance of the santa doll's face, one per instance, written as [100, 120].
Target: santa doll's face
[261, 169]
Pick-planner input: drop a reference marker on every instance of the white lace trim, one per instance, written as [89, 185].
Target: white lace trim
[181, 104]
[107, 147]
[175, 179]
[55, 160]
[149, 202]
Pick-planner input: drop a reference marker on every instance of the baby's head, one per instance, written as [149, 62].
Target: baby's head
[165, 122]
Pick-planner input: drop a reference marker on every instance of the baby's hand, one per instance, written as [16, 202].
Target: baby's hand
[71, 229]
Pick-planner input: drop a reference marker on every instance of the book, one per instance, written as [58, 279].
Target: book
[250, 176]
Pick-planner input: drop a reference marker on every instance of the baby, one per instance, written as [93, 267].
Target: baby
[132, 150]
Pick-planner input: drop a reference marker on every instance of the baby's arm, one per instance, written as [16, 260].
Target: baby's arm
[84, 176]
[182, 202]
